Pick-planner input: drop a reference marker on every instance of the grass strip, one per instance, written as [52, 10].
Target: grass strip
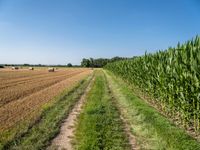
[43, 131]
[99, 125]
[152, 130]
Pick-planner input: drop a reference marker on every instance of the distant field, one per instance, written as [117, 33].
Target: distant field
[23, 94]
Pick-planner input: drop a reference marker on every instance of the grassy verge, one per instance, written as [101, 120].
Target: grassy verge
[99, 125]
[47, 127]
[152, 130]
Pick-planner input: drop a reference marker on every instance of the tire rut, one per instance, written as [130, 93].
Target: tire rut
[127, 127]
[63, 141]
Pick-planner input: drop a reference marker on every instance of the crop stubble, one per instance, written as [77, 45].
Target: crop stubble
[36, 93]
[25, 87]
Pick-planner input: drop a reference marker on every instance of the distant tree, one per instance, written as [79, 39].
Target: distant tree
[69, 65]
[116, 59]
[85, 63]
[26, 65]
[99, 62]
[92, 62]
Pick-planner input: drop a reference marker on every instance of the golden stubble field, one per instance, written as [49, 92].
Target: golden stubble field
[23, 93]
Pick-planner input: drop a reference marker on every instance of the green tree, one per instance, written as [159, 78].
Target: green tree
[69, 65]
[85, 62]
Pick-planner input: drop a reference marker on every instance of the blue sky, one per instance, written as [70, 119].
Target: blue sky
[62, 31]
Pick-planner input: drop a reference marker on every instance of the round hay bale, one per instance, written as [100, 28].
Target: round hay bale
[51, 69]
[15, 68]
[31, 68]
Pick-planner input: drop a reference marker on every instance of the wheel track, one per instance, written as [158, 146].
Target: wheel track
[64, 139]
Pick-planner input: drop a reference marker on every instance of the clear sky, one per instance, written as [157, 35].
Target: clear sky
[62, 31]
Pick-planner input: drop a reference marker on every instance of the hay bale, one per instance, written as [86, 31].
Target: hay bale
[51, 69]
[15, 68]
[31, 68]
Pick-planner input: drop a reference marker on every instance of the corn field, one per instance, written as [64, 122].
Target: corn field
[170, 77]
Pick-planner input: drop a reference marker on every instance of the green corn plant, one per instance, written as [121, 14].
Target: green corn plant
[170, 77]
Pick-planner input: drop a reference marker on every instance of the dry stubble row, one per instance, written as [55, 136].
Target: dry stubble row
[19, 110]
[13, 78]
[22, 90]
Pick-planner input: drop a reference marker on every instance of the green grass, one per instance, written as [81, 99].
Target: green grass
[99, 125]
[41, 133]
[152, 130]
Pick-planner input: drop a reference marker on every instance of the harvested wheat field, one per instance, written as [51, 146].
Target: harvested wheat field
[24, 94]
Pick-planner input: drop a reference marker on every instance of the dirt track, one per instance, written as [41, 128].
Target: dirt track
[63, 140]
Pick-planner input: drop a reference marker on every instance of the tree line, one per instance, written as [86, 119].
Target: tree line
[90, 63]
[99, 62]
